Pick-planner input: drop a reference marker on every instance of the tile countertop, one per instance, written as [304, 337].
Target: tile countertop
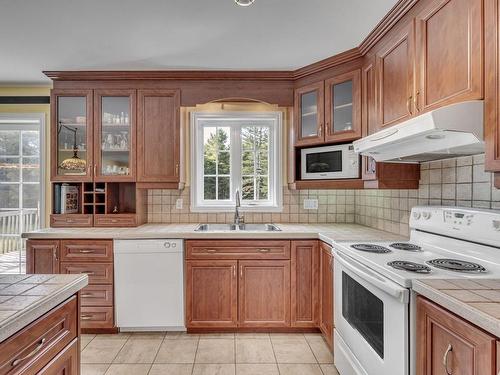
[325, 232]
[24, 298]
[477, 301]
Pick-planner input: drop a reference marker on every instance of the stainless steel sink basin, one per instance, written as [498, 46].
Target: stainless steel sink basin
[237, 227]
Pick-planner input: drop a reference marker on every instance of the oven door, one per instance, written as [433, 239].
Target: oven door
[371, 321]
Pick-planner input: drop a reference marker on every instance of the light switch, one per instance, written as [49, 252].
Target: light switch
[310, 204]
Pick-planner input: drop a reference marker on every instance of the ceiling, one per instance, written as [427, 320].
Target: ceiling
[176, 34]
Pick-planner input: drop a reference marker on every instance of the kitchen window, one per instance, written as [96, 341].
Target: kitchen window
[236, 152]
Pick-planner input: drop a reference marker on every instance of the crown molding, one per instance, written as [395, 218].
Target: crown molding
[390, 19]
[178, 75]
[327, 63]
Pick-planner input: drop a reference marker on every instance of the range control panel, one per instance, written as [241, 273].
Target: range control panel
[478, 225]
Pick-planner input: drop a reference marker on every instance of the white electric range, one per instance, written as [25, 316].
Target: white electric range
[374, 304]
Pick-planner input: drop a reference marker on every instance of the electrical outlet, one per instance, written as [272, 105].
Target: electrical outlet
[178, 204]
[310, 204]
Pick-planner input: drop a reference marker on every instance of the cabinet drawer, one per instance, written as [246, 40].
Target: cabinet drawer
[96, 317]
[229, 249]
[99, 273]
[115, 220]
[97, 295]
[65, 363]
[86, 251]
[71, 220]
[34, 346]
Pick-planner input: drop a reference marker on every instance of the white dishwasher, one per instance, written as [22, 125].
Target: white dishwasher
[149, 285]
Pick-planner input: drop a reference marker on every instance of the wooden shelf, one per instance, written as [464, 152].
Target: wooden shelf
[355, 183]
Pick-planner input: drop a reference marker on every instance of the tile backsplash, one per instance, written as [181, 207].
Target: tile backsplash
[453, 182]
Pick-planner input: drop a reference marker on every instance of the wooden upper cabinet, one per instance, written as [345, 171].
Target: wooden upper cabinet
[158, 136]
[343, 107]
[326, 293]
[211, 293]
[264, 293]
[42, 256]
[115, 133]
[309, 114]
[449, 53]
[447, 344]
[304, 284]
[395, 78]
[71, 125]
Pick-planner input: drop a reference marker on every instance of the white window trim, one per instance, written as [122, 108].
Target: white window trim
[275, 163]
[21, 120]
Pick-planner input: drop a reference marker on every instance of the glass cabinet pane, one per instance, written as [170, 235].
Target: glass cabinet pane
[72, 135]
[309, 114]
[115, 136]
[342, 107]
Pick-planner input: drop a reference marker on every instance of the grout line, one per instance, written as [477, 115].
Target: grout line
[195, 354]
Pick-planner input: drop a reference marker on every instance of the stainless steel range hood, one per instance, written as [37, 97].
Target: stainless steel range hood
[454, 130]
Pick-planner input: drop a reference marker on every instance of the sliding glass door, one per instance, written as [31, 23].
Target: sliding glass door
[21, 185]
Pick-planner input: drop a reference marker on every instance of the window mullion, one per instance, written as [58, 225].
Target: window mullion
[236, 160]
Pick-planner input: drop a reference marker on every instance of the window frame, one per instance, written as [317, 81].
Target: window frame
[198, 121]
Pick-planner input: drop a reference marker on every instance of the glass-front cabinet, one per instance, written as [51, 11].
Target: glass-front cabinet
[115, 135]
[343, 107]
[309, 114]
[72, 126]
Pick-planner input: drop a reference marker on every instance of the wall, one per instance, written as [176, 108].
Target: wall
[33, 108]
[453, 182]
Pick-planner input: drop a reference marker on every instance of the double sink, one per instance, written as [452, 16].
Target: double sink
[237, 227]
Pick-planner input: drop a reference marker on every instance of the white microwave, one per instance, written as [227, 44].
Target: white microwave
[329, 162]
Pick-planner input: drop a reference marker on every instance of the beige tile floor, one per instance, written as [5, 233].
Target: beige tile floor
[218, 354]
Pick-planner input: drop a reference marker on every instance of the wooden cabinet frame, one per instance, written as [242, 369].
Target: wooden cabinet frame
[355, 132]
[54, 147]
[98, 95]
[319, 87]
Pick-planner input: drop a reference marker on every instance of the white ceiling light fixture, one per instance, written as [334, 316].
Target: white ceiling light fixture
[244, 3]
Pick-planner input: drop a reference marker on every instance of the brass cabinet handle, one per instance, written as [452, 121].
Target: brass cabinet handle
[177, 170]
[445, 358]
[234, 271]
[85, 317]
[264, 250]
[241, 271]
[86, 251]
[408, 104]
[55, 254]
[90, 273]
[95, 169]
[211, 251]
[69, 220]
[85, 295]
[320, 130]
[29, 355]
[416, 101]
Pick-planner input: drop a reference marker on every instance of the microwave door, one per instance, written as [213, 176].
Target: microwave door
[323, 165]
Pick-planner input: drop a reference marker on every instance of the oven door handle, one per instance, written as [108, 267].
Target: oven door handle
[365, 273]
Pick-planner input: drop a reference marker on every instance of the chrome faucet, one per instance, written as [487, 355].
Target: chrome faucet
[238, 219]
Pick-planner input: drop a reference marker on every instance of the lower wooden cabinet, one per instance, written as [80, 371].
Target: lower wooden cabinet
[264, 293]
[42, 256]
[304, 284]
[326, 293]
[65, 363]
[211, 293]
[447, 344]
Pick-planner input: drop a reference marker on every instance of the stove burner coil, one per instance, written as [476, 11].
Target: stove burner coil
[406, 246]
[456, 265]
[370, 248]
[409, 266]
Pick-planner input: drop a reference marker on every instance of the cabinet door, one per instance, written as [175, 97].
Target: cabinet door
[72, 132]
[304, 282]
[326, 292]
[264, 293]
[343, 107]
[158, 136]
[449, 344]
[65, 363]
[42, 256]
[115, 132]
[368, 97]
[211, 293]
[450, 53]
[395, 78]
[309, 114]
